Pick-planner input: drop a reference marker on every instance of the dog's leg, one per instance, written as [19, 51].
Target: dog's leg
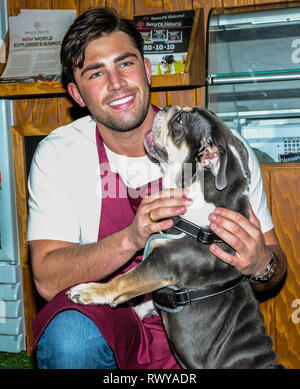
[148, 276]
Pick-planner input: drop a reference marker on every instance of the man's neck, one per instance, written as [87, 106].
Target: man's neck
[129, 143]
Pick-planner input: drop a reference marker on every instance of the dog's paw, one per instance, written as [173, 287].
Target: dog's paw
[89, 293]
[146, 308]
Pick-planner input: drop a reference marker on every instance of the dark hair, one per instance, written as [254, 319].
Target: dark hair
[91, 25]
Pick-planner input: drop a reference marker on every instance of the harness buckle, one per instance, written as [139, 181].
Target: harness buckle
[204, 236]
[182, 297]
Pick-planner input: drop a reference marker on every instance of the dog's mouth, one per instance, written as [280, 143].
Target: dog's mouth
[158, 152]
[209, 154]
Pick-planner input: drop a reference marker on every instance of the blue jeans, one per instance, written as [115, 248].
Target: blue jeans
[73, 341]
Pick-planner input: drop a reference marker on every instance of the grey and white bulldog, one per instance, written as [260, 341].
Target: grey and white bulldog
[210, 313]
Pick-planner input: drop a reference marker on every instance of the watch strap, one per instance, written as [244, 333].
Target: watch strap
[268, 273]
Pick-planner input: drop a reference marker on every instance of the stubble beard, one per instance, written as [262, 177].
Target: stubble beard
[129, 122]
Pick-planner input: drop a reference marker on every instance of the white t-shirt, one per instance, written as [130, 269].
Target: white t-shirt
[65, 188]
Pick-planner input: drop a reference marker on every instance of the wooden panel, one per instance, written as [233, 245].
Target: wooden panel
[237, 3]
[148, 7]
[159, 99]
[84, 5]
[38, 4]
[66, 108]
[207, 5]
[177, 5]
[183, 98]
[285, 187]
[200, 96]
[196, 62]
[37, 129]
[32, 88]
[21, 193]
[14, 6]
[22, 111]
[44, 110]
[282, 184]
[260, 2]
[268, 307]
[30, 304]
[65, 4]
[125, 8]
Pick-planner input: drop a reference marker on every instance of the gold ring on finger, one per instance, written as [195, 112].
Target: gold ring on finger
[150, 217]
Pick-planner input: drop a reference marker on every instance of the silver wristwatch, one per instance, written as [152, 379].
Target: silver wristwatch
[270, 270]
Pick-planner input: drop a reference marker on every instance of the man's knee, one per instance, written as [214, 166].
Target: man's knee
[72, 340]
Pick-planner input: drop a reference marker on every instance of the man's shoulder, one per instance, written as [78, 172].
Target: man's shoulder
[78, 132]
[82, 127]
[71, 139]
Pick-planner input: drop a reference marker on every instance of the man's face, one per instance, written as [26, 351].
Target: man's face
[113, 82]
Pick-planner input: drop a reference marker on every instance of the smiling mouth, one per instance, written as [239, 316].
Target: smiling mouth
[121, 101]
[155, 151]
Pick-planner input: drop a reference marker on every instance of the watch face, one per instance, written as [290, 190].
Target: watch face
[271, 271]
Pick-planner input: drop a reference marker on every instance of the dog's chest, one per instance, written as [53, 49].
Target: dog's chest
[199, 211]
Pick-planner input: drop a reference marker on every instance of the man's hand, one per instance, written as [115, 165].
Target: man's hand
[244, 236]
[160, 205]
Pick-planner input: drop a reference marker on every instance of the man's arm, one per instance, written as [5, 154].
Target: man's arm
[58, 264]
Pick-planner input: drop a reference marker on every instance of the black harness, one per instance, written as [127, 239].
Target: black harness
[173, 299]
[201, 234]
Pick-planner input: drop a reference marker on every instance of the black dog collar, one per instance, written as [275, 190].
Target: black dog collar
[172, 299]
[203, 235]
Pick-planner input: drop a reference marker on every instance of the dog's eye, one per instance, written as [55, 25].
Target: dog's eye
[179, 119]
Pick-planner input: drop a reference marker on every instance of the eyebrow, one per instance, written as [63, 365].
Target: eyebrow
[100, 65]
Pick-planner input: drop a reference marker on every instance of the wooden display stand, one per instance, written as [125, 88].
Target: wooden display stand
[193, 76]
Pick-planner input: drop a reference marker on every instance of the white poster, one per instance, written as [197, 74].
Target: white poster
[35, 38]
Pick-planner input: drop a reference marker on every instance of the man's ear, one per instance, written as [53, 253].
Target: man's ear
[75, 94]
[148, 69]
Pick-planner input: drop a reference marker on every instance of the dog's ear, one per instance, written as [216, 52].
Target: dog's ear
[216, 160]
[220, 176]
[201, 109]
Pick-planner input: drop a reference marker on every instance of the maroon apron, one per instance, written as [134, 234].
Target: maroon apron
[136, 344]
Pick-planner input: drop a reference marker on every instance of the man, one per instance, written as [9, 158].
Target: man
[81, 230]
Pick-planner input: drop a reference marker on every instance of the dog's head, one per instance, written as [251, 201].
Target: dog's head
[193, 135]
[167, 59]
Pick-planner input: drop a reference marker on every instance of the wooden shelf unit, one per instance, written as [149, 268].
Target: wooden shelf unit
[193, 76]
[30, 89]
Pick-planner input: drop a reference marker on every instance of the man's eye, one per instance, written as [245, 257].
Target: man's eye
[95, 75]
[126, 64]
